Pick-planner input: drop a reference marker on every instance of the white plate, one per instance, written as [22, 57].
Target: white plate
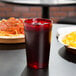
[13, 39]
[65, 30]
[60, 40]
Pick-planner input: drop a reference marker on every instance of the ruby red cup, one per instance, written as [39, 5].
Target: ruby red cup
[37, 38]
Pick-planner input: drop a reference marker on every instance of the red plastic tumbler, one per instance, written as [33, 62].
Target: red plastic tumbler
[37, 38]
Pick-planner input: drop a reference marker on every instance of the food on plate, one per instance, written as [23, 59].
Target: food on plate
[70, 39]
[12, 27]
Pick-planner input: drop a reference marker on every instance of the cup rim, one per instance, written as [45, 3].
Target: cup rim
[49, 20]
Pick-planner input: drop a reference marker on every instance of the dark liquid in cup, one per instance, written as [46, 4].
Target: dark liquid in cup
[37, 44]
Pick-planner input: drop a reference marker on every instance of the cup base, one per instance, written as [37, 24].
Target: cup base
[34, 66]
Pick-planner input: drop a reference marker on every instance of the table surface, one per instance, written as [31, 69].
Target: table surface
[13, 60]
[42, 2]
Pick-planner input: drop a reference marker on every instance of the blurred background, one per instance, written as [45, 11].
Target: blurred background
[56, 13]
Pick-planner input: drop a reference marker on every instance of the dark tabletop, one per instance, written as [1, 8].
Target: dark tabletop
[13, 60]
[42, 2]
